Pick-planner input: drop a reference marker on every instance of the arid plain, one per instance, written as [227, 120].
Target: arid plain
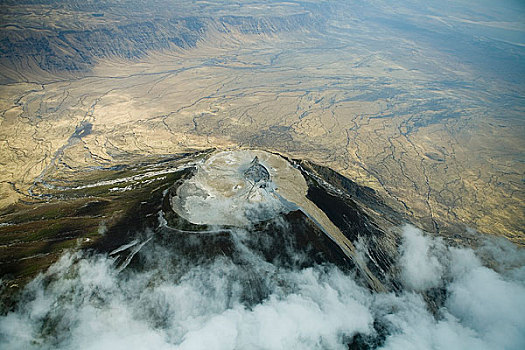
[437, 136]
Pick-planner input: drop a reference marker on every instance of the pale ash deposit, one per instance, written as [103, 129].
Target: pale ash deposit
[224, 191]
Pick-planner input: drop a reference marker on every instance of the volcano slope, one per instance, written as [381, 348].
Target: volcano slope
[194, 252]
[107, 207]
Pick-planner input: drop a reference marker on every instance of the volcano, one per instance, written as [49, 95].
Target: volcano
[245, 248]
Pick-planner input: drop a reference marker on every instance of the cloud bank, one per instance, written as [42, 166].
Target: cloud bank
[84, 302]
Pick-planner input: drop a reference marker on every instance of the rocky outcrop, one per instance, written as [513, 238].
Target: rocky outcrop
[257, 172]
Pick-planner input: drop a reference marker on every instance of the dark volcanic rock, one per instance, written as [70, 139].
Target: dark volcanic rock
[257, 172]
[348, 205]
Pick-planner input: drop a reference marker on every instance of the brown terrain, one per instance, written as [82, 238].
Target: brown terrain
[439, 137]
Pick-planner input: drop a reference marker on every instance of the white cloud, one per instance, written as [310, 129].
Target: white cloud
[83, 302]
[420, 266]
[482, 310]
